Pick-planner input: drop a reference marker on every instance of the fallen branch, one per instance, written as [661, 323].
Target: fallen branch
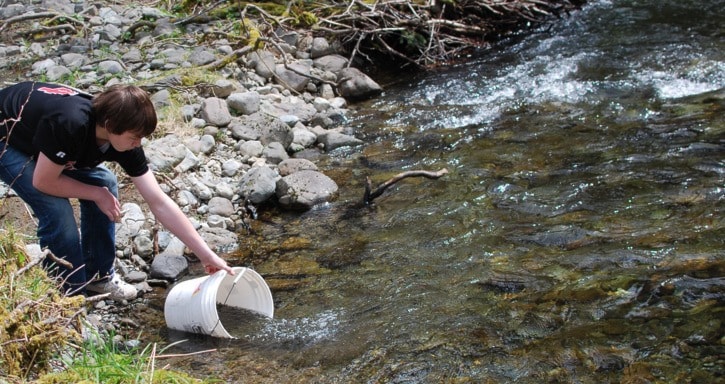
[58, 260]
[232, 57]
[370, 194]
[28, 16]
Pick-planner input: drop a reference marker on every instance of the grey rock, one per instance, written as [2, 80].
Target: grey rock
[304, 189]
[231, 167]
[169, 266]
[198, 188]
[205, 144]
[143, 244]
[333, 63]
[220, 206]
[215, 112]
[295, 78]
[269, 128]
[132, 56]
[333, 140]
[274, 152]
[109, 66]
[320, 47]
[219, 239]
[189, 162]
[303, 136]
[161, 98]
[200, 56]
[12, 10]
[357, 85]
[290, 166]
[186, 198]
[244, 103]
[263, 63]
[241, 131]
[221, 89]
[165, 153]
[57, 72]
[250, 149]
[41, 67]
[277, 106]
[73, 60]
[258, 184]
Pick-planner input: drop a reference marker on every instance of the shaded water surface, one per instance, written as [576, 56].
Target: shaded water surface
[578, 236]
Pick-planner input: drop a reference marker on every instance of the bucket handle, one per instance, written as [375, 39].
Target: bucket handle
[234, 284]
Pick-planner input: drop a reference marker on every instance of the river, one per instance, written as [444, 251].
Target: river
[577, 238]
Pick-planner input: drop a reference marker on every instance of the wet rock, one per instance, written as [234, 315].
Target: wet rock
[508, 282]
[304, 189]
[333, 140]
[562, 236]
[258, 184]
[355, 84]
[220, 240]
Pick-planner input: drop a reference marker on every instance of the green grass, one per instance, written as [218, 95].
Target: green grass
[39, 337]
[105, 363]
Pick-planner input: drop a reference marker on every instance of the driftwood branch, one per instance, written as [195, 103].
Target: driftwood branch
[371, 194]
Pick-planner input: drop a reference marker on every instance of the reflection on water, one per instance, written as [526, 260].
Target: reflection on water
[577, 238]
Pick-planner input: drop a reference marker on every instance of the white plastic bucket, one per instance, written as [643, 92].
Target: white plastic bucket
[191, 305]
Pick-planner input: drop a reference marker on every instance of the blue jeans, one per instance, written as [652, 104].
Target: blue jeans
[91, 251]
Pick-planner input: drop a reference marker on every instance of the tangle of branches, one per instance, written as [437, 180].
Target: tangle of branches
[432, 32]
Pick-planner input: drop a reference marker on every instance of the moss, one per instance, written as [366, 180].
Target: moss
[35, 319]
[305, 19]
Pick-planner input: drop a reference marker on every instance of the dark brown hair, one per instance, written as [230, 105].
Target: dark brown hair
[123, 108]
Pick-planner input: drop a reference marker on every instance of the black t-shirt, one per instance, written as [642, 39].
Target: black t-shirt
[57, 121]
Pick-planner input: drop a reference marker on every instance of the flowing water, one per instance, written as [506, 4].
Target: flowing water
[578, 236]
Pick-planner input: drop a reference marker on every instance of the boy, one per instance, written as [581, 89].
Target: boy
[53, 139]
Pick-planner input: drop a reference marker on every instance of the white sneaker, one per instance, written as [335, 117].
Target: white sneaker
[119, 289]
